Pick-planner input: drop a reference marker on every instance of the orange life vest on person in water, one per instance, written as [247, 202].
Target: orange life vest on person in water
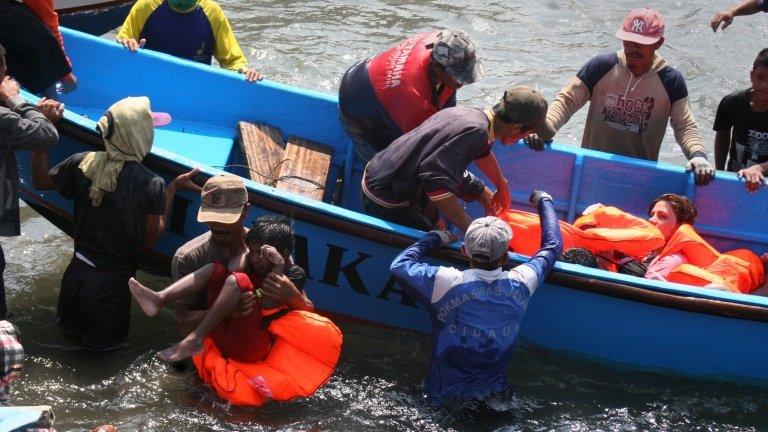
[738, 271]
[606, 229]
[303, 353]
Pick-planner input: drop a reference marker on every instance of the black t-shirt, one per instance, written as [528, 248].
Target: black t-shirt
[749, 139]
[110, 235]
[432, 159]
[297, 275]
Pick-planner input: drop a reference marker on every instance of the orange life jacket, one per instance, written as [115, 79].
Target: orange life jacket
[606, 229]
[738, 271]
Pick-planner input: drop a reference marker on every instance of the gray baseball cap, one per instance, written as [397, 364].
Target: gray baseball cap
[487, 239]
[456, 52]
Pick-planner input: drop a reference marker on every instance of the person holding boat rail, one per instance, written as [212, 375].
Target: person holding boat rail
[385, 96]
[632, 95]
[22, 127]
[741, 123]
[119, 204]
[426, 169]
[476, 313]
[195, 30]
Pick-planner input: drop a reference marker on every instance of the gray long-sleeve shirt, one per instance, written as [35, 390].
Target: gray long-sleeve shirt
[22, 127]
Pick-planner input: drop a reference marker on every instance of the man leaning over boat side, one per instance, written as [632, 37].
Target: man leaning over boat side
[426, 169]
[223, 208]
[385, 96]
[744, 7]
[22, 127]
[476, 313]
[119, 205]
[632, 95]
[195, 30]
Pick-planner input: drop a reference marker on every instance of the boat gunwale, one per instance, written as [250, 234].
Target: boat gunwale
[662, 294]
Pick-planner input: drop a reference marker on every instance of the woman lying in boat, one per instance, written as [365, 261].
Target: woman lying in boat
[223, 288]
[665, 247]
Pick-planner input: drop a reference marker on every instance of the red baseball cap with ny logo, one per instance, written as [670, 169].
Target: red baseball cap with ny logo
[644, 26]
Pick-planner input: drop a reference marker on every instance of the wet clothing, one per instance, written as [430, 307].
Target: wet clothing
[762, 5]
[46, 12]
[22, 127]
[33, 56]
[94, 308]
[110, 235]
[94, 301]
[749, 130]
[11, 358]
[196, 253]
[198, 35]
[628, 115]
[242, 339]
[387, 95]
[431, 160]
[475, 313]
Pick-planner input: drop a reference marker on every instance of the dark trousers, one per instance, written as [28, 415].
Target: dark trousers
[94, 306]
[3, 304]
[409, 216]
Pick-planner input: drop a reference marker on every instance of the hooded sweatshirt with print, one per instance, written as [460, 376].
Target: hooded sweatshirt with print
[628, 115]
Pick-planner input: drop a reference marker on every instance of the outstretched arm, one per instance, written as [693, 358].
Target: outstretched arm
[745, 7]
[417, 278]
[541, 263]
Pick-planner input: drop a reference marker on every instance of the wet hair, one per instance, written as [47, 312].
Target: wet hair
[2, 56]
[580, 256]
[683, 208]
[761, 59]
[274, 231]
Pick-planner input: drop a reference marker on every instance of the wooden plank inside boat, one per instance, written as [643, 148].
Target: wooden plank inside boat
[305, 170]
[264, 151]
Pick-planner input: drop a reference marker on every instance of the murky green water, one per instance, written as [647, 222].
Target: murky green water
[310, 44]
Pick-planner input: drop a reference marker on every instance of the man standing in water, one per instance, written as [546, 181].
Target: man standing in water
[22, 127]
[632, 95]
[224, 207]
[119, 204]
[195, 30]
[476, 313]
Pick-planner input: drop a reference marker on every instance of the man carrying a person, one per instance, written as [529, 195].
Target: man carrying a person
[744, 7]
[224, 207]
[632, 95]
[119, 205]
[22, 127]
[195, 30]
[476, 313]
[385, 96]
[426, 169]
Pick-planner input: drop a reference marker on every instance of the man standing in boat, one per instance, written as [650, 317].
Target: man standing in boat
[195, 30]
[383, 97]
[119, 205]
[426, 170]
[632, 95]
[22, 127]
[476, 313]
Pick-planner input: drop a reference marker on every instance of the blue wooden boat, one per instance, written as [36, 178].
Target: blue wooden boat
[616, 319]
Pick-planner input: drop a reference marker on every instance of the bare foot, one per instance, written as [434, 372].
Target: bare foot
[184, 349]
[145, 297]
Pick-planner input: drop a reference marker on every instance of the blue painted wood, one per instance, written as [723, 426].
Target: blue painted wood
[347, 253]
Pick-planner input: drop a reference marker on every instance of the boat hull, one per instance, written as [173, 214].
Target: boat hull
[611, 318]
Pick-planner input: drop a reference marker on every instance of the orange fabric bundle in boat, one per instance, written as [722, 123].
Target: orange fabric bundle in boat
[606, 229]
[304, 354]
[739, 270]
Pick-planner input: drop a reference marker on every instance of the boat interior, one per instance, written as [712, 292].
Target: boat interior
[290, 139]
